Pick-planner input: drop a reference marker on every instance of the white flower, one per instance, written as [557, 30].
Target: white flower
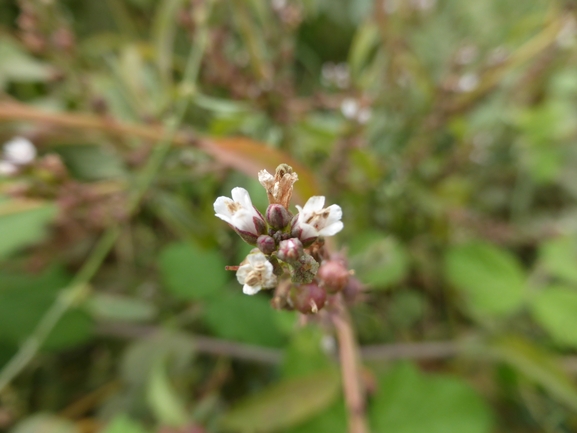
[240, 213]
[7, 168]
[256, 274]
[314, 220]
[19, 151]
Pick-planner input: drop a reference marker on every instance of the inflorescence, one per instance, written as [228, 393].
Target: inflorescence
[286, 244]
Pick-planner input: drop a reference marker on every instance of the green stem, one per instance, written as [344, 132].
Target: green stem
[70, 296]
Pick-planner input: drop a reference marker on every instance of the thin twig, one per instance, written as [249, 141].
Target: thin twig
[350, 368]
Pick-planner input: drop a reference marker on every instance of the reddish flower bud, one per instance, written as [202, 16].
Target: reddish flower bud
[277, 216]
[290, 250]
[308, 298]
[266, 244]
[333, 275]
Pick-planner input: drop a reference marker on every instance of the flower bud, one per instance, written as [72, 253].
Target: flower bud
[277, 216]
[334, 275]
[308, 298]
[290, 250]
[266, 244]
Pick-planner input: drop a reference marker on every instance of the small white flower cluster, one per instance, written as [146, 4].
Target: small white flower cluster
[16, 153]
[278, 235]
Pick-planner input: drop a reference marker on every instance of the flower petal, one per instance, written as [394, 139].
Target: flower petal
[331, 229]
[250, 290]
[315, 203]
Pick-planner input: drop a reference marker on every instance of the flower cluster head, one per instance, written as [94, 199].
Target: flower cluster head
[287, 245]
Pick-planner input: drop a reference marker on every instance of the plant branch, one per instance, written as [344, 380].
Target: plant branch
[350, 368]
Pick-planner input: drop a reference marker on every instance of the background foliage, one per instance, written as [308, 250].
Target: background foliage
[445, 129]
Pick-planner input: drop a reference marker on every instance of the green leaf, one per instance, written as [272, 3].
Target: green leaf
[537, 365]
[23, 223]
[18, 66]
[89, 162]
[123, 424]
[249, 319]
[190, 272]
[304, 355]
[23, 301]
[411, 402]
[284, 404]
[555, 308]
[491, 278]
[380, 262]
[112, 307]
[45, 423]
[558, 257]
[165, 403]
[141, 357]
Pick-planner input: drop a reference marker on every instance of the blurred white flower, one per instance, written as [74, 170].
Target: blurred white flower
[468, 82]
[7, 168]
[256, 274]
[19, 151]
[240, 213]
[313, 220]
[349, 108]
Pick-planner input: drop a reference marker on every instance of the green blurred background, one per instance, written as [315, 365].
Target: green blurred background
[446, 131]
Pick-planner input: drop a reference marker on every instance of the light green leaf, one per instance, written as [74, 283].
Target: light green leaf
[112, 307]
[559, 257]
[23, 223]
[555, 308]
[284, 404]
[249, 319]
[18, 66]
[378, 261]
[491, 278]
[537, 365]
[166, 405]
[304, 355]
[190, 272]
[89, 162]
[45, 423]
[23, 301]
[123, 424]
[411, 402]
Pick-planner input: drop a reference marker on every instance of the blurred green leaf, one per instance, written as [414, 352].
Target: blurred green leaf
[165, 403]
[113, 307]
[249, 319]
[559, 257]
[19, 66]
[123, 424]
[284, 404]
[23, 223]
[45, 423]
[491, 278]
[141, 357]
[555, 308]
[305, 354]
[410, 402]
[23, 301]
[190, 272]
[537, 365]
[90, 162]
[379, 261]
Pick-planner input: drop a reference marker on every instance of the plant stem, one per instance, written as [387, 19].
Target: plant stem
[350, 369]
[70, 296]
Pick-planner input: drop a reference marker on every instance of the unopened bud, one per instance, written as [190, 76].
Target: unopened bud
[266, 244]
[308, 298]
[259, 224]
[290, 250]
[278, 216]
[334, 275]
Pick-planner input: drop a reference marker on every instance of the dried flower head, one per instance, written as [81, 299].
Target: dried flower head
[280, 186]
